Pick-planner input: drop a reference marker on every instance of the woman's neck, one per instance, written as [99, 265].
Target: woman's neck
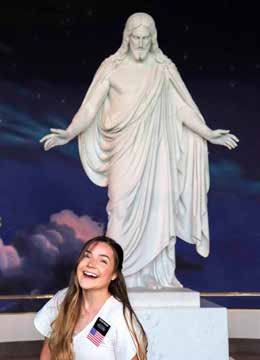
[93, 300]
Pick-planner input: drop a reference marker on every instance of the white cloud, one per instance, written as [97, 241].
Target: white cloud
[9, 257]
[84, 227]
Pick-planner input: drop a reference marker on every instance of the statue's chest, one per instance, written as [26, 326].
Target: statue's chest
[129, 80]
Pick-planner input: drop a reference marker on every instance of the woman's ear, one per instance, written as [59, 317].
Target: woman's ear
[114, 276]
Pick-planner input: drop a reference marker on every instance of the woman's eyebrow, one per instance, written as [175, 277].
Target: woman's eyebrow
[90, 252]
[105, 256]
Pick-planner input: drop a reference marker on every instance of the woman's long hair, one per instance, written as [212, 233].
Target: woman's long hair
[61, 338]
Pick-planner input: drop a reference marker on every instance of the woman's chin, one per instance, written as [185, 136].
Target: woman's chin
[88, 283]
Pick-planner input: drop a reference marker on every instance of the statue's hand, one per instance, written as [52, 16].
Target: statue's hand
[56, 138]
[223, 137]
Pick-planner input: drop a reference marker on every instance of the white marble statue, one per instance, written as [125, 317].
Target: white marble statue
[141, 134]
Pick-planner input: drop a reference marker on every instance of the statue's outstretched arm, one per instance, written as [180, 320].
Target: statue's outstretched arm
[81, 120]
[89, 109]
[219, 137]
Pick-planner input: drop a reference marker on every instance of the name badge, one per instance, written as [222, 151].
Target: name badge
[98, 331]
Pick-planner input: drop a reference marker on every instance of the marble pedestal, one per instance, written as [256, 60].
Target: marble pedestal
[181, 331]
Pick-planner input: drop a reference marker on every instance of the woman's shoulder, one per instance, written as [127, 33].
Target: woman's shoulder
[48, 313]
[56, 299]
[51, 308]
[116, 311]
[60, 295]
[116, 305]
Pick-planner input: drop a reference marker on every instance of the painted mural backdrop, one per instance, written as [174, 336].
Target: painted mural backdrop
[49, 208]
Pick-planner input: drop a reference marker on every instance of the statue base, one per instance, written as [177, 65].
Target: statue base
[181, 331]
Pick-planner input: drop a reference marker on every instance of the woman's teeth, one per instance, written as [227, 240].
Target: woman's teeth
[90, 274]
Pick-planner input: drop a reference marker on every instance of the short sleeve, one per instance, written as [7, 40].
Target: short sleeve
[125, 348]
[48, 313]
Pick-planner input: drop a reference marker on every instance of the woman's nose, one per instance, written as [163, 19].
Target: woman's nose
[140, 42]
[92, 263]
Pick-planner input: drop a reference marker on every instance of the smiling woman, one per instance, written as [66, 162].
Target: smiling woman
[93, 318]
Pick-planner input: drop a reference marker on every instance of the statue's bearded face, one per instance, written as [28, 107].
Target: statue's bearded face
[140, 42]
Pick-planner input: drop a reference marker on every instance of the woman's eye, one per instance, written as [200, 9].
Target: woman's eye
[104, 261]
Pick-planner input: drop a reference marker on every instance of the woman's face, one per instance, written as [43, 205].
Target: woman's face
[96, 269]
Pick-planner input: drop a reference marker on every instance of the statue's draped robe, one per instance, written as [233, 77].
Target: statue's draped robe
[156, 170]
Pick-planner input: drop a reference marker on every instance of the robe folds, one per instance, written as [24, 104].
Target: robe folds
[156, 170]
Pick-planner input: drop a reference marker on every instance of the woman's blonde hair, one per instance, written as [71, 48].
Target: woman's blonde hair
[63, 326]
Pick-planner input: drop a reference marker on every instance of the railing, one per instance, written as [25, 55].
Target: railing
[202, 294]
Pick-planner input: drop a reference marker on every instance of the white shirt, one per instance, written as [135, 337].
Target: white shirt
[117, 343]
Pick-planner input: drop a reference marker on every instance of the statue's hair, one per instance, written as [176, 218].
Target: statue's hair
[132, 23]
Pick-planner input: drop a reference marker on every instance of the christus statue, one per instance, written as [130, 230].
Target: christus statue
[141, 134]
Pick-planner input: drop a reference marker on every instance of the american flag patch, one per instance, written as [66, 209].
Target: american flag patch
[98, 332]
[95, 336]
